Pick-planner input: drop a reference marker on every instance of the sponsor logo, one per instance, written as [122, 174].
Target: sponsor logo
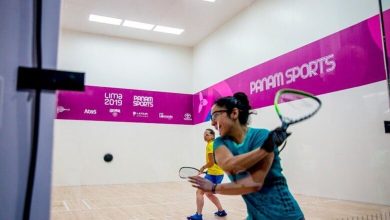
[140, 114]
[114, 111]
[202, 102]
[61, 109]
[90, 111]
[187, 117]
[314, 68]
[143, 101]
[162, 115]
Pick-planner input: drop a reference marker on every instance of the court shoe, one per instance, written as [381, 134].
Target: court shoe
[220, 213]
[195, 216]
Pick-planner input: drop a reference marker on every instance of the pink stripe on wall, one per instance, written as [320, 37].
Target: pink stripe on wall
[125, 105]
[346, 59]
[349, 58]
[386, 22]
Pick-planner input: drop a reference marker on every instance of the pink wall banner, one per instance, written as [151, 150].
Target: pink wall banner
[386, 24]
[125, 105]
[349, 58]
[346, 59]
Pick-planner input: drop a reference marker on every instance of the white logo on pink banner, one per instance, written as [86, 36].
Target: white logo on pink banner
[315, 68]
[143, 101]
[61, 109]
[140, 114]
[90, 111]
[202, 102]
[114, 111]
[113, 99]
[187, 117]
[162, 115]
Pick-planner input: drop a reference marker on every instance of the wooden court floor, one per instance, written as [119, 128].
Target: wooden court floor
[176, 200]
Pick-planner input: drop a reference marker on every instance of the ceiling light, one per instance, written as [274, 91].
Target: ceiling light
[105, 20]
[139, 25]
[209, 0]
[169, 30]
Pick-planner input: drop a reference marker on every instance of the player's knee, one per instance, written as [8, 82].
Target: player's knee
[199, 192]
[208, 194]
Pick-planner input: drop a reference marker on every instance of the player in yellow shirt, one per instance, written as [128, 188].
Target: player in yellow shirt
[214, 174]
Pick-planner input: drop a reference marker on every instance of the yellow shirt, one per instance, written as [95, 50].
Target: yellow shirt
[215, 169]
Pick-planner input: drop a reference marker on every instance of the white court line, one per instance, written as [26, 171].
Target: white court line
[86, 204]
[121, 206]
[331, 200]
[66, 205]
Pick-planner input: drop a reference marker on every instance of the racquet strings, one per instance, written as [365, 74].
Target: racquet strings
[293, 106]
[186, 172]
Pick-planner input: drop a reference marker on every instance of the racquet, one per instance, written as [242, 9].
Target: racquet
[185, 172]
[293, 106]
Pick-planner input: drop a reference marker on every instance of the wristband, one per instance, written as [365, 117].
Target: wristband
[269, 144]
[213, 188]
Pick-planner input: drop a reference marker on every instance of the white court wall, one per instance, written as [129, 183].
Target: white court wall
[269, 29]
[385, 4]
[124, 63]
[341, 153]
[142, 152]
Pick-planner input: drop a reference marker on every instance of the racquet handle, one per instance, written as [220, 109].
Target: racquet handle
[275, 138]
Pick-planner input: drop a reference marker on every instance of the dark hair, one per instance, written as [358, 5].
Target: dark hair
[238, 100]
[211, 131]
